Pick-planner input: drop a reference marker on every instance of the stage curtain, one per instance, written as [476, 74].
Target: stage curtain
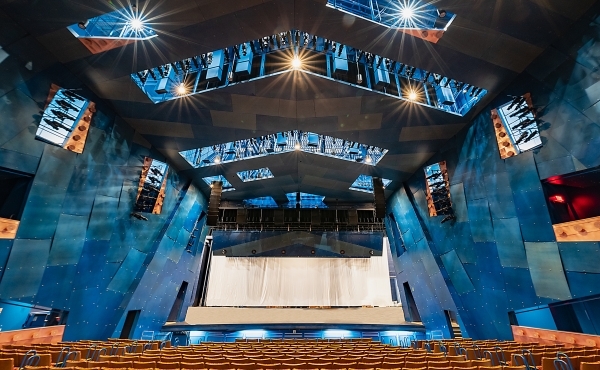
[291, 281]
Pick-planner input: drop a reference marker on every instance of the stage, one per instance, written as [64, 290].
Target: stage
[234, 319]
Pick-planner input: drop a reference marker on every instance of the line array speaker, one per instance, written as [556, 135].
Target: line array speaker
[241, 216]
[213, 203]
[379, 196]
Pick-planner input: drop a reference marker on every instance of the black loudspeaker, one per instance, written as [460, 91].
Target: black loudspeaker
[213, 203]
[379, 196]
[315, 217]
[352, 217]
[241, 216]
[278, 217]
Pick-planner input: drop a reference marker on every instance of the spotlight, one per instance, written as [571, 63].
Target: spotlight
[296, 62]
[217, 159]
[412, 95]
[368, 159]
[136, 24]
[181, 89]
[407, 12]
[297, 146]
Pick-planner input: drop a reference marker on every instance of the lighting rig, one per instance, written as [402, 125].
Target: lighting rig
[438, 192]
[151, 189]
[254, 175]
[296, 50]
[284, 142]
[515, 125]
[364, 183]
[65, 120]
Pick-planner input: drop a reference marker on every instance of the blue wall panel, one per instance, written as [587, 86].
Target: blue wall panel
[77, 247]
[25, 268]
[581, 256]
[502, 238]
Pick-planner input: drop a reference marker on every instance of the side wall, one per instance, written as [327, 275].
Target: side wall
[77, 248]
[500, 254]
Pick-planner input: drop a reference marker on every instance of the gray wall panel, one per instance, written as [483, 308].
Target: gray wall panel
[457, 273]
[546, 270]
[25, 268]
[68, 240]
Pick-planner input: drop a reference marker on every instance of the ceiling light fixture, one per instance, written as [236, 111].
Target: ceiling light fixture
[181, 89]
[407, 12]
[136, 24]
[296, 62]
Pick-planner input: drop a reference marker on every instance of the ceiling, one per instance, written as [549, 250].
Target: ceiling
[488, 45]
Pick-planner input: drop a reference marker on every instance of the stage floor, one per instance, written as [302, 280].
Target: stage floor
[233, 318]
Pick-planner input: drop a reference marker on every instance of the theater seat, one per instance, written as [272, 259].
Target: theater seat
[590, 366]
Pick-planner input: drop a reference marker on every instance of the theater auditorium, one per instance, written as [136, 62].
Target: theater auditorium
[300, 184]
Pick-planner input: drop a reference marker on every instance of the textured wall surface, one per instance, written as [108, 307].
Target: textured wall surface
[500, 254]
[77, 248]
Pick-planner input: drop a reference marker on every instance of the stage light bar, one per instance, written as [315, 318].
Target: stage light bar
[226, 184]
[298, 51]
[364, 183]
[262, 202]
[284, 142]
[305, 200]
[254, 175]
[516, 126]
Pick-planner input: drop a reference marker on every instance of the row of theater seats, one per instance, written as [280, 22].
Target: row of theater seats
[300, 354]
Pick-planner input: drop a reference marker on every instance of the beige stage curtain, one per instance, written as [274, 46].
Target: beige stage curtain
[291, 281]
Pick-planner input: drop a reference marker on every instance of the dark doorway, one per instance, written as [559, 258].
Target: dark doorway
[14, 188]
[129, 325]
[412, 310]
[453, 326]
[178, 305]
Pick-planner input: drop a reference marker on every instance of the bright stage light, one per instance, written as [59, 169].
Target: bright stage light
[136, 24]
[297, 146]
[412, 95]
[407, 12]
[181, 89]
[296, 62]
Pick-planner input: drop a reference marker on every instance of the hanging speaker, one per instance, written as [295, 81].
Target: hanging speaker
[379, 196]
[213, 203]
[240, 218]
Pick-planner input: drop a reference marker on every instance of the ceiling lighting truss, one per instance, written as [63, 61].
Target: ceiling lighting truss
[122, 24]
[262, 202]
[298, 51]
[226, 185]
[284, 142]
[516, 126]
[397, 14]
[364, 183]
[253, 175]
[304, 200]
